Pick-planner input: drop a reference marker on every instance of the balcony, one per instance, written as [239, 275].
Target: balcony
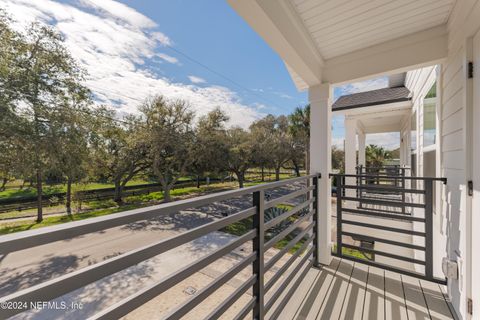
[268, 270]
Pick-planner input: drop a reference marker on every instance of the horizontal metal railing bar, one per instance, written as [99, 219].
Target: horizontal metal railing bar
[286, 282]
[444, 180]
[390, 212]
[279, 200]
[137, 299]
[385, 202]
[382, 253]
[270, 263]
[287, 264]
[390, 268]
[393, 215]
[205, 292]
[381, 195]
[287, 214]
[290, 293]
[285, 232]
[389, 189]
[231, 299]
[387, 241]
[385, 228]
[71, 281]
[246, 309]
[32, 238]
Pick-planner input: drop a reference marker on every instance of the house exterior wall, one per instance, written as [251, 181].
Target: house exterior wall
[456, 103]
[419, 82]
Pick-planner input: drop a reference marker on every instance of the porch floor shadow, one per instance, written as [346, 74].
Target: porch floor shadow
[351, 290]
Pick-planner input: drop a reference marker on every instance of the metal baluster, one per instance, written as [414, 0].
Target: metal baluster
[403, 191]
[315, 220]
[428, 228]
[258, 247]
[339, 214]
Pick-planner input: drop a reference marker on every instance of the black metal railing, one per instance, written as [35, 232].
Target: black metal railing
[358, 223]
[385, 182]
[265, 296]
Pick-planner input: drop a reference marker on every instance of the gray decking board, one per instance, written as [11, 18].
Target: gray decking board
[347, 290]
[395, 307]
[333, 303]
[374, 307]
[316, 298]
[355, 297]
[436, 303]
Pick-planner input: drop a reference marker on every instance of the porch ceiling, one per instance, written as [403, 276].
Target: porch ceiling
[380, 118]
[382, 124]
[343, 26]
[345, 40]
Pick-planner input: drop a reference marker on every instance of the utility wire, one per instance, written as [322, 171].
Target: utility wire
[221, 75]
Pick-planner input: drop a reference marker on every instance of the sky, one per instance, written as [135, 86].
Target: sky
[199, 51]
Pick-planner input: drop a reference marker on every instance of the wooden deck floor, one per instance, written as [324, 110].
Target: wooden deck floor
[349, 290]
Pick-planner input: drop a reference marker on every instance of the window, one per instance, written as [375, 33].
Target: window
[413, 132]
[429, 117]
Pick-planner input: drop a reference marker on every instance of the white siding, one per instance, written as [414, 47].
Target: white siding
[455, 95]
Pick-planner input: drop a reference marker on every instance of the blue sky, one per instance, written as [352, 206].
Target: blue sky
[212, 33]
[133, 49]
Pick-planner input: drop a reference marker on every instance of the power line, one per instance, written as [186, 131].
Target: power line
[220, 75]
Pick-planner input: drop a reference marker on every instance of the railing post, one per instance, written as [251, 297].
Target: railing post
[339, 215]
[428, 228]
[403, 191]
[258, 247]
[316, 261]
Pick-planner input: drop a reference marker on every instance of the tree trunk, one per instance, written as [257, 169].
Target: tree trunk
[68, 202]
[240, 178]
[263, 174]
[166, 194]
[198, 181]
[118, 192]
[4, 182]
[277, 174]
[297, 169]
[23, 184]
[39, 196]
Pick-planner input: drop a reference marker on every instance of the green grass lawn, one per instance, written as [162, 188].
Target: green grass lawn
[49, 189]
[50, 221]
[104, 207]
[353, 253]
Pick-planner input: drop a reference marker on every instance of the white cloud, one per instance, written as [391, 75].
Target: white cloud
[167, 58]
[362, 86]
[196, 80]
[389, 140]
[115, 44]
[121, 12]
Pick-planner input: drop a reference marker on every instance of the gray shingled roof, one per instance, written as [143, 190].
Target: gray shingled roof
[372, 98]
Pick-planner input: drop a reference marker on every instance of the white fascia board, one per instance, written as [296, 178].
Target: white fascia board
[420, 49]
[277, 23]
[375, 109]
[383, 128]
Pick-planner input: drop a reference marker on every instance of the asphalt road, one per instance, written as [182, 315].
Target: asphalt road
[29, 267]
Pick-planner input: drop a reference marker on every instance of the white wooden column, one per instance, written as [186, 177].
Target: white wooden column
[350, 145]
[361, 148]
[320, 98]
[350, 153]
